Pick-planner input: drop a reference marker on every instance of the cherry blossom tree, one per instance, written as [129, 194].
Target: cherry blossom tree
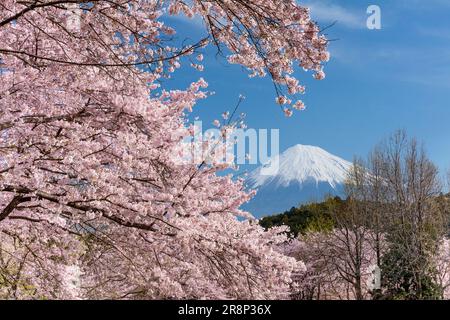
[339, 265]
[32, 266]
[91, 182]
[442, 262]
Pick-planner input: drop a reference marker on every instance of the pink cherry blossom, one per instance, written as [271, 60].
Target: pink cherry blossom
[94, 200]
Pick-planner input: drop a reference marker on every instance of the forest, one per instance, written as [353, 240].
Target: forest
[387, 240]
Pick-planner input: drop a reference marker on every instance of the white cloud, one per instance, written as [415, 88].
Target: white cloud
[324, 12]
[195, 21]
[435, 32]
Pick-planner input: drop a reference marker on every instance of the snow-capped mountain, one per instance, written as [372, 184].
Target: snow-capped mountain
[298, 175]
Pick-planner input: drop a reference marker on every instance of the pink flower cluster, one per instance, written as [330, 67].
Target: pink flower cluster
[91, 191]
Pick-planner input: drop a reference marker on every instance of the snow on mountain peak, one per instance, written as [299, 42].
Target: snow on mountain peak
[300, 164]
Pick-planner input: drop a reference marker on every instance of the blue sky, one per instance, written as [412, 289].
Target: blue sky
[377, 81]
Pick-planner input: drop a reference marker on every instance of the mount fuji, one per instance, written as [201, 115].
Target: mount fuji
[298, 175]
